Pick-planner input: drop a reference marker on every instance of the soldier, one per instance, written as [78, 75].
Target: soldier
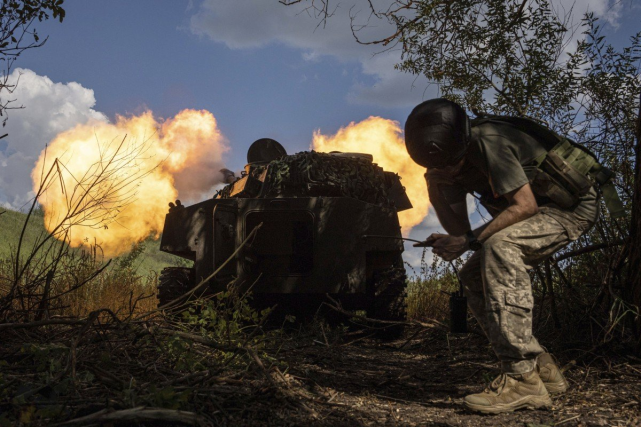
[494, 161]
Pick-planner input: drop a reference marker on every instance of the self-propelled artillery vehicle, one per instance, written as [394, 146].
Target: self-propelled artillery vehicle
[329, 227]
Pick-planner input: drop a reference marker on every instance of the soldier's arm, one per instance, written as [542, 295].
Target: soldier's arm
[522, 206]
[451, 214]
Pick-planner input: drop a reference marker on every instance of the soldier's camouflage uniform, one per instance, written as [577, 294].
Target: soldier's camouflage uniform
[504, 307]
[495, 278]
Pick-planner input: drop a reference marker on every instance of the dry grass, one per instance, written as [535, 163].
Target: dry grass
[123, 292]
[428, 298]
[428, 289]
[78, 285]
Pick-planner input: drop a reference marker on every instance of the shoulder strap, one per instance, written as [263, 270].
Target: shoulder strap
[548, 138]
[581, 158]
[545, 135]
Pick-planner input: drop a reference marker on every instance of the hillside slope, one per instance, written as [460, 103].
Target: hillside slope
[150, 261]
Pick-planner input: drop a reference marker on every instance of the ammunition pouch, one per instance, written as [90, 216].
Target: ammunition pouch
[567, 172]
[546, 185]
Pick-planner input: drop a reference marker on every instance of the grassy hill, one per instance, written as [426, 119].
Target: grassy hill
[11, 222]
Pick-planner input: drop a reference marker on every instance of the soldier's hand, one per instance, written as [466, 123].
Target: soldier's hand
[449, 247]
[427, 243]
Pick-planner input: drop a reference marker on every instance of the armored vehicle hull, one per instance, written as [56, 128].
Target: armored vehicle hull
[306, 248]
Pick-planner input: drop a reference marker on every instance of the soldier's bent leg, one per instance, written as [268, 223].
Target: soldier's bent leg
[472, 280]
[505, 258]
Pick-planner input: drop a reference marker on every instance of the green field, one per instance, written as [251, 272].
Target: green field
[150, 261]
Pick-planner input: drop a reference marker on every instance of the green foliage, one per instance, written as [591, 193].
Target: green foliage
[180, 351]
[119, 362]
[17, 16]
[227, 318]
[609, 102]
[489, 55]
[224, 316]
[126, 261]
[513, 57]
[48, 359]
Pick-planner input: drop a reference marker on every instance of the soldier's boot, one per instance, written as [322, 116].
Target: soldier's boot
[550, 374]
[509, 392]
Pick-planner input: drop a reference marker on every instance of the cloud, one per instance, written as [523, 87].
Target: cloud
[608, 10]
[391, 87]
[240, 24]
[49, 108]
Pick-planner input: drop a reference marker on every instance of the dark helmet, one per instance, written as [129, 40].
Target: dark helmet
[437, 133]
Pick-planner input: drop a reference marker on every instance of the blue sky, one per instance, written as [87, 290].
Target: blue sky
[262, 69]
[137, 55]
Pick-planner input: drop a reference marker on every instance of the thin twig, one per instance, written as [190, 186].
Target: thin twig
[140, 414]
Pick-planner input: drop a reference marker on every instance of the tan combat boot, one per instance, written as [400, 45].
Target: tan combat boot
[550, 374]
[509, 392]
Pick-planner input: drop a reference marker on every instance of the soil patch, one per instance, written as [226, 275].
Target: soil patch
[423, 381]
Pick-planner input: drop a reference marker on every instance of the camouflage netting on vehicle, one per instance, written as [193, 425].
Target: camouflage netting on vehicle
[321, 174]
[312, 174]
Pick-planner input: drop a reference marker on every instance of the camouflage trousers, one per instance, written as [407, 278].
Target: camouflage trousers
[497, 284]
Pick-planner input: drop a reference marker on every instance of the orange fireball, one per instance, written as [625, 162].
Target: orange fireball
[382, 138]
[110, 183]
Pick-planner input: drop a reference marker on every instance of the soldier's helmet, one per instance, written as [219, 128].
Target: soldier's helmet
[437, 133]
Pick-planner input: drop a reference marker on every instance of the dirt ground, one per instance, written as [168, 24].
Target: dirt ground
[122, 374]
[359, 381]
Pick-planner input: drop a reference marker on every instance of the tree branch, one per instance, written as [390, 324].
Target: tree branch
[588, 249]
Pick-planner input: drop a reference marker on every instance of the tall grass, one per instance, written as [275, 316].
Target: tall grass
[428, 289]
[82, 283]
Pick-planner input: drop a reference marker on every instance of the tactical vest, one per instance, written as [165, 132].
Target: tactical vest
[567, 171]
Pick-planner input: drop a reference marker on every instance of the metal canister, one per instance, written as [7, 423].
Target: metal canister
[458, 307]
[458, 313]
